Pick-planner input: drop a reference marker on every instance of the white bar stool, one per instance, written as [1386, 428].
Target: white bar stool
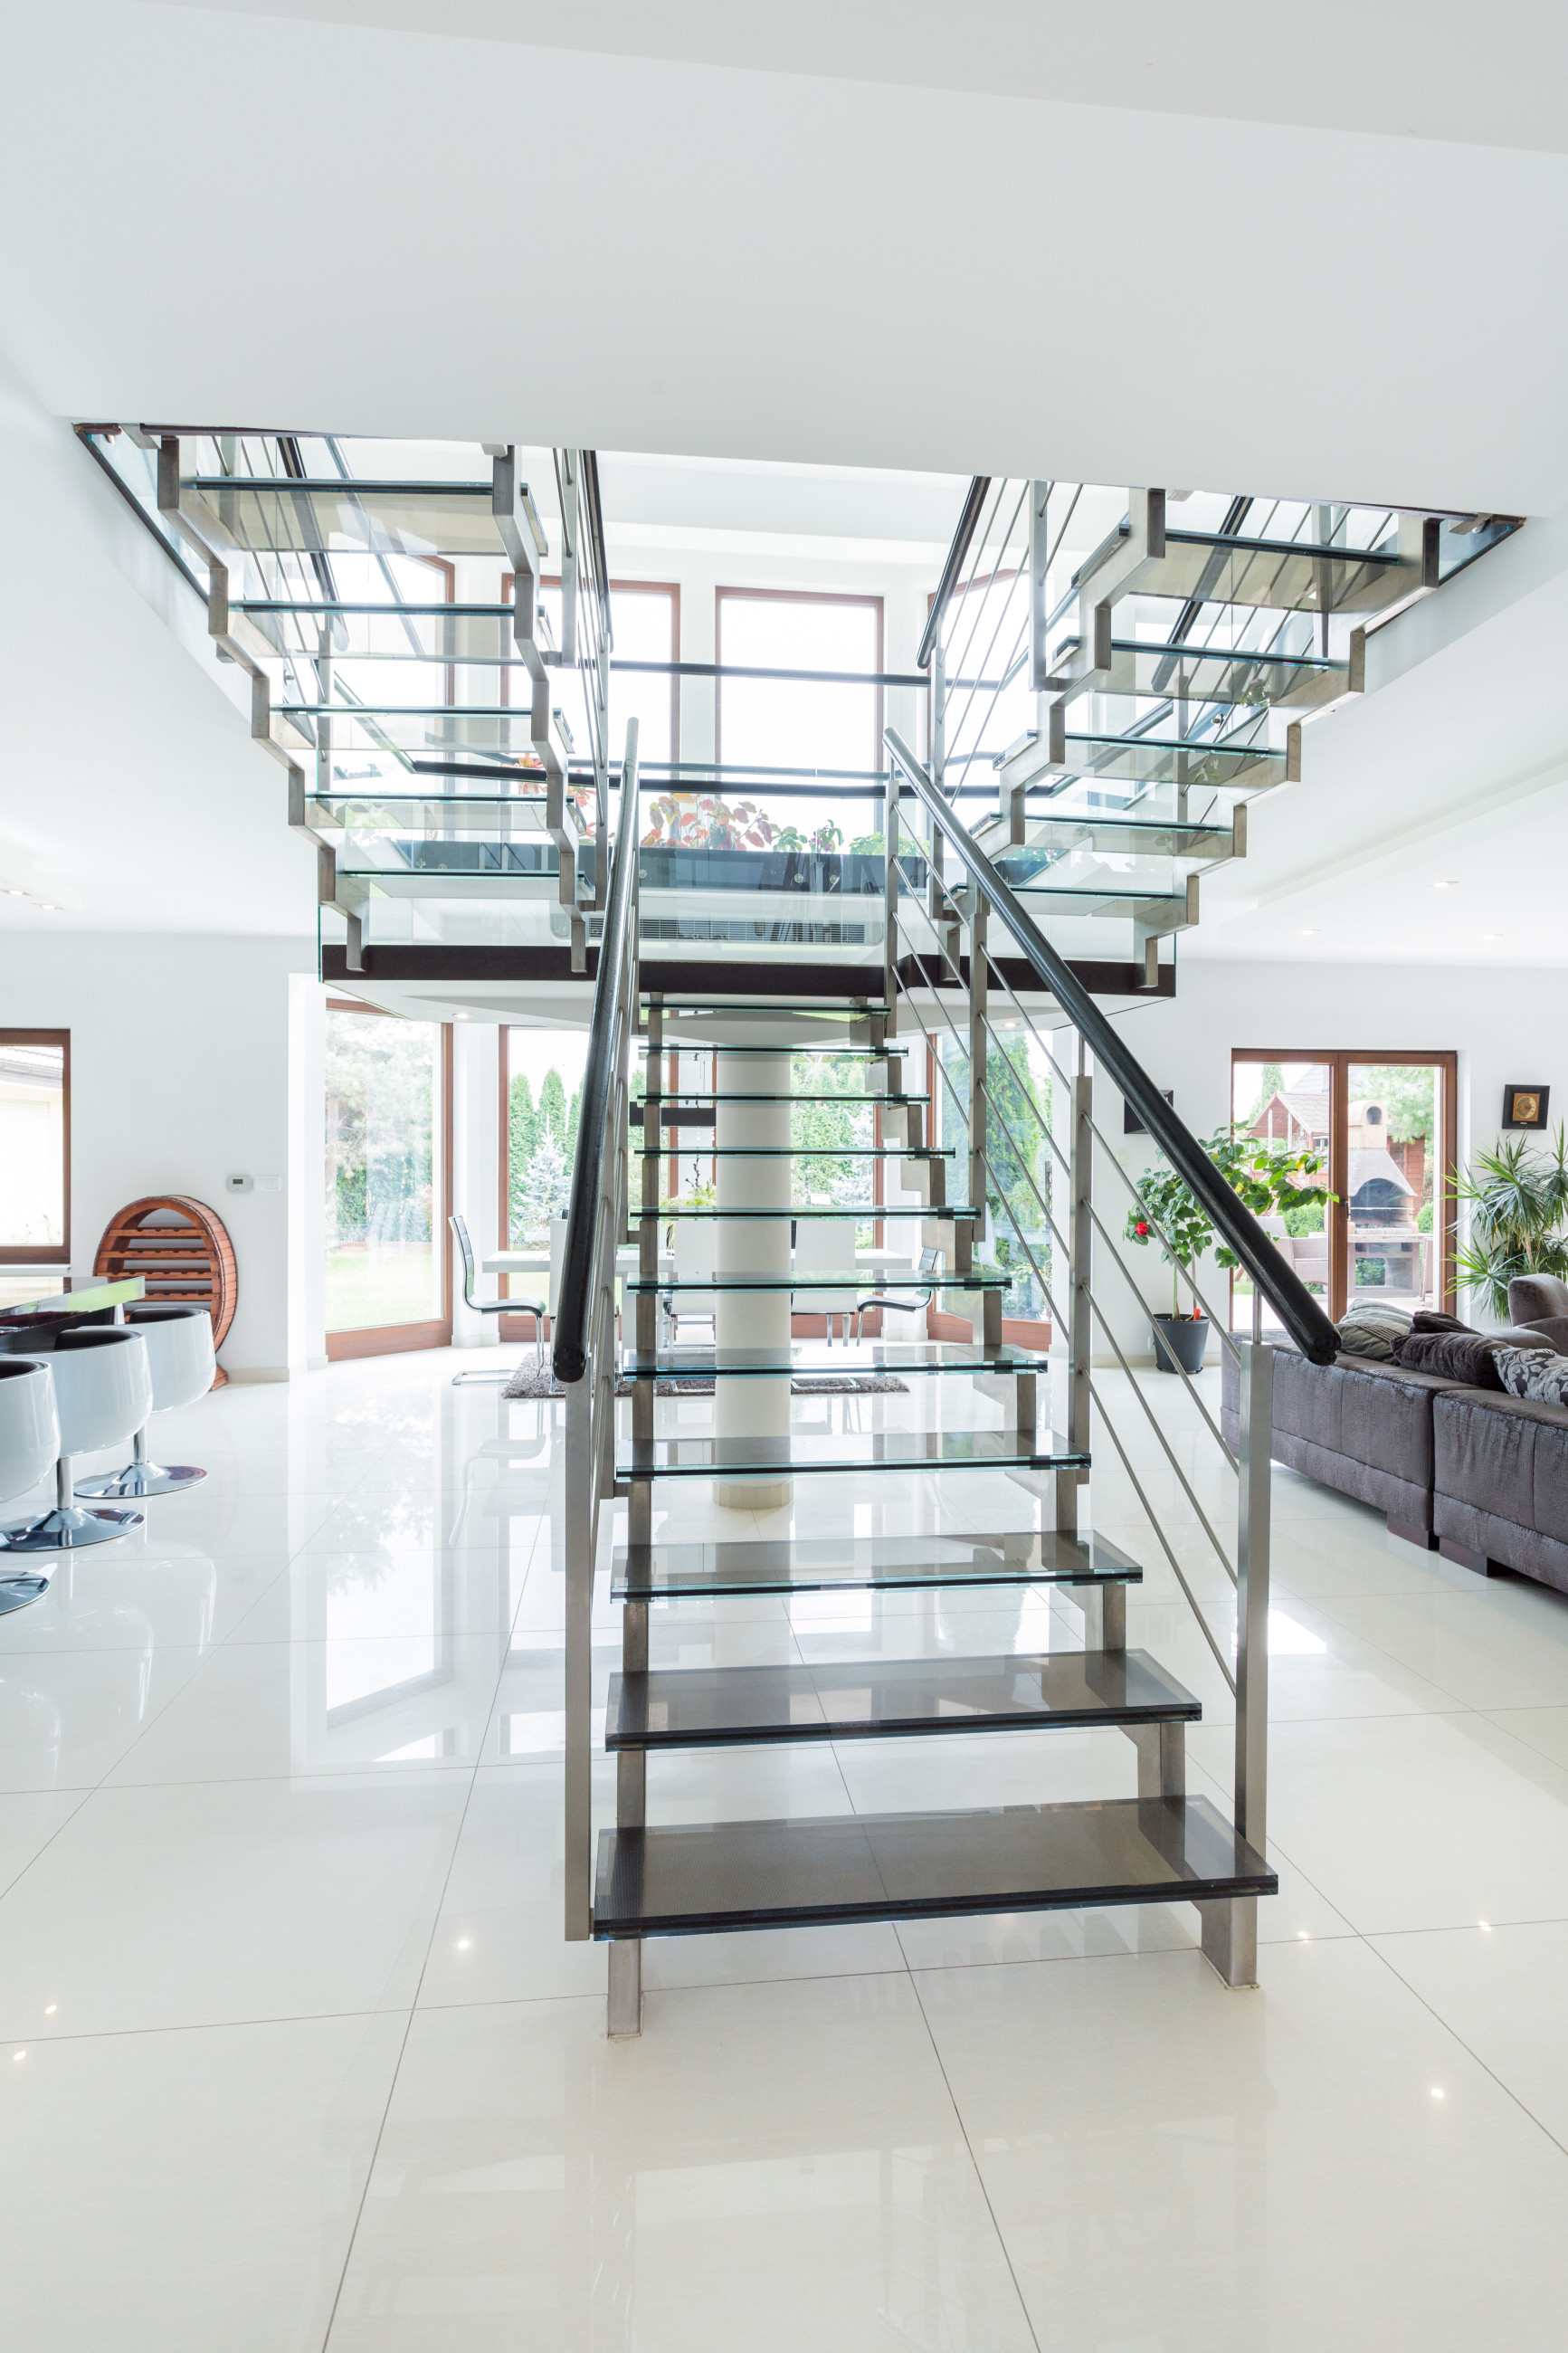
[29, 1447]
[179, 1345]
[103, 1394]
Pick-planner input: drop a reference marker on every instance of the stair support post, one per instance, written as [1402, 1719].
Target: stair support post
[1230, 1927]
[891, 904]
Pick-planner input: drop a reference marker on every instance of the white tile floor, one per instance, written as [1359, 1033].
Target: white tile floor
[296, 2058]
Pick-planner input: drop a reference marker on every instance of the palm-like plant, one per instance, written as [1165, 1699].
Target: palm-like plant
[1518, 1201]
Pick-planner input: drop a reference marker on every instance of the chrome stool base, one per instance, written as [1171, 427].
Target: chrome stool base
[16, 1592]
[67, 1530]
[142, 1479]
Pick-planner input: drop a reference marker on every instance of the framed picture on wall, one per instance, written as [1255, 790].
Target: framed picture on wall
[1525, 1106]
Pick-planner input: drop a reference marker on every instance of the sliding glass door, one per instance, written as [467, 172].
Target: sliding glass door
[388, 1180]
[1383, 1124]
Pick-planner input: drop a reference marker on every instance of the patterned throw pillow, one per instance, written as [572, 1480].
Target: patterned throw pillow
[1539, 1373]
[1373, 1330]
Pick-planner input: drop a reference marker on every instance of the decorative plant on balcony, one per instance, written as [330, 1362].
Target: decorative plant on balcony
[1266, 1180]
[707, 821]
[1518, 1201]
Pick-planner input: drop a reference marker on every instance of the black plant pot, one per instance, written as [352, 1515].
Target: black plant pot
[1179, 1343]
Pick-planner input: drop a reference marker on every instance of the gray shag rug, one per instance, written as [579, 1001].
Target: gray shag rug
[532, 1379]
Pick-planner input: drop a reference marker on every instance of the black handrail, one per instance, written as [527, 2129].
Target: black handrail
[592, 515]
[573, 1299]
[951, 568]
[1288, 1296]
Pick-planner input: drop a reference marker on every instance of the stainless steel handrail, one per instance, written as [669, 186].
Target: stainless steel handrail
[574, 1293]
[967, 520]
[1294, 1305]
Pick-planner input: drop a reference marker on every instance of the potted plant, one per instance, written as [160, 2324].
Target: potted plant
[1265, 1180]
[1519, 1204]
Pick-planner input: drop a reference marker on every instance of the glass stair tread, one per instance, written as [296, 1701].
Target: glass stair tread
[812, 1053]
[273, 514]
[805, 1451]
[654, 1572]
[1168, 909]
[694, 1878]
[1273, 574]
[808, 1278]
[1054, 837]
[1157, 760]
[876, 1699]
[1195, 674]
[827, 1007]
[865, 1211]
[810, 1151]
[693, 1095]
[729, 1364]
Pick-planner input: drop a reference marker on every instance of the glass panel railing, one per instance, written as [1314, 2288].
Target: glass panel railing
[1052, 833]
[1152, 759]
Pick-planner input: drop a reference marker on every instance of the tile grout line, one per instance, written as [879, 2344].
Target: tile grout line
[1454, 2034]
[969, 2148]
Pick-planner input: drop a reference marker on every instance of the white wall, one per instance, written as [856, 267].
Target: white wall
[1506, 1026]
[180, 1077]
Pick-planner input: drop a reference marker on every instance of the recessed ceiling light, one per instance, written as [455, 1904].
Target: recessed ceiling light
[49, 906]
[12, 892]
[1311, 933]
[1451, 885]
[460, 1017]
[1491, 935]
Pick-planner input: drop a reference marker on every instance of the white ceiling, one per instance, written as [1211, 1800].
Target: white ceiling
[1033, 256]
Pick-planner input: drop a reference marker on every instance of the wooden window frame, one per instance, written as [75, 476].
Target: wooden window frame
[671, 588]
[799, 596]
[1339, 1060]
[48, 1253]
[434, 1332]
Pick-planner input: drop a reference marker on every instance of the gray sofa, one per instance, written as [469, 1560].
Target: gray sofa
[1479, 1477]
[1539, 1303]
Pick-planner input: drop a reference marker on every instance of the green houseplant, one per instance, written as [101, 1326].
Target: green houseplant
[1265, 1180]
[1518, 1200]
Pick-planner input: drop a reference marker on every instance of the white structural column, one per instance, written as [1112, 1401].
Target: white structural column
[759, 1246]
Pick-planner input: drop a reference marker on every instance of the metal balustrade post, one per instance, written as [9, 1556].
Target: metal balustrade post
[890, 901]
[1230, 1927]
[580, 1479]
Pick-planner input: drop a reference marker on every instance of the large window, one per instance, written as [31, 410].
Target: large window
[763, 724]
[1383, 1126]
[388, 1181]
[542, 1080]
[35, 1148]
[645, 622]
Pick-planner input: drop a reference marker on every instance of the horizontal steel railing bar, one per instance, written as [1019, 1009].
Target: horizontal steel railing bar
[1148, 1513]
[1160, 1234]
[570, 1352]
[1299, 1312]
[1098, 1311]
[969, 515]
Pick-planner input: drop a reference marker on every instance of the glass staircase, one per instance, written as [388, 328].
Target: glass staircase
[1111, 677]
[1033, 1411]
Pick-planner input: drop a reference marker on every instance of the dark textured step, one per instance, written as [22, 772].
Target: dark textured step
[688, 1881]
[876, 1699]
[822, 1054]
[849, 1008]
[918, 1358]
[867, 1451]
[866, 1564]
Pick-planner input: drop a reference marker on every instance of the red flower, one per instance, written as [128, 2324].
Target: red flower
[1141, 1228]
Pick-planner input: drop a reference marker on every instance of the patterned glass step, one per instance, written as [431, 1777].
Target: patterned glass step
[662, 1572]
[863, 1451]
[698, 1877]
[876, 1699]
[918, 1358]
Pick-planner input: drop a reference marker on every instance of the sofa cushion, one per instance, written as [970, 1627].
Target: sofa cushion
[1359, 1425]
[1470, 1358]
[1500, 1470]
[1539, 1373]
[1375, 1330]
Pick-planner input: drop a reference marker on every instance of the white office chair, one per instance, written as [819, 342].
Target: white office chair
[534, 1307]
[180, 1360]
[104, 1395]
[825, 1246]
[29, 1447]
[903, 1302]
